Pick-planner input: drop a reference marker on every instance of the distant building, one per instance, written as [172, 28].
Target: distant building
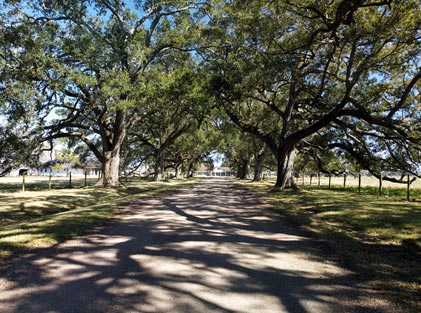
[49, 164]
[205, 170]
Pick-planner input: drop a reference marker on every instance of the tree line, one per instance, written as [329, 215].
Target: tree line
[277, 82]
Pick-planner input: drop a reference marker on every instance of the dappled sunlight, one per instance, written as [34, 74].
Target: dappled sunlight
[380, 219]
[105, 257]
[187, 254]
[43, 218]
[379, 237]
[20, 207]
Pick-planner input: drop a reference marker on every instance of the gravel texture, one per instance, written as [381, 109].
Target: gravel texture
[210, 247]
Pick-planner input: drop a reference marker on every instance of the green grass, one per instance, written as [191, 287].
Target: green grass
[43, 218]
[401, 193]
[378, 237]
[38, 183]
[369, 185]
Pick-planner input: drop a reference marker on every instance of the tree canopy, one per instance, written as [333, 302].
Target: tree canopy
[88, 61]
[300, 77]
[341, 75]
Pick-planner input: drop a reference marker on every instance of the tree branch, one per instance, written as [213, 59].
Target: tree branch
[405, 95]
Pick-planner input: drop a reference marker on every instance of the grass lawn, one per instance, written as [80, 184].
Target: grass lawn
[38, 183]
[369, 185]
[378, 237]
[42, 218]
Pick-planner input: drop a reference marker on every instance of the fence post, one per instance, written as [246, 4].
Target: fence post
[359, 182]
[408, 184]
[23, 181]
[344, 180]
[49, 179]
[381, 184]
[318, 177]
[311, 178]
[304, 174]
[86, 181]
[70, 179]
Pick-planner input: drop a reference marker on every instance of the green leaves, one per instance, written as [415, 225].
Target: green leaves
[288, 71]
[285, 71]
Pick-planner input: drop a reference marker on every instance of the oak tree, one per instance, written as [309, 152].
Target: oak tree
[86, 61]
[289, 71]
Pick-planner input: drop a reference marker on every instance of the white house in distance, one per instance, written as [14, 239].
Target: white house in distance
[48, 158]
[205, 170]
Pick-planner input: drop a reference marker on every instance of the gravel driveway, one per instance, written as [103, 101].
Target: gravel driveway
[211, 247]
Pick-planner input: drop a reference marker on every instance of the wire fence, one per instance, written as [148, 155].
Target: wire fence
[44, 182]
[408, 189]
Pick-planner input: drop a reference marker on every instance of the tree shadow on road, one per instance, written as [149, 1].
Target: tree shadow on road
[213, 248]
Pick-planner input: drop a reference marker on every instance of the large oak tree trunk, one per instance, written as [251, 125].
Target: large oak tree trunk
[112, 140]
[258, 166]
[159, 165]
[176, 171]
[111, 168]
[285, 178]
[190, 170]
[243, 168]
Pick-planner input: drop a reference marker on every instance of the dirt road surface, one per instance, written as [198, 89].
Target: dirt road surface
[211, 247]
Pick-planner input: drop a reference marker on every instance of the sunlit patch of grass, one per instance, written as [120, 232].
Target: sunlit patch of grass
[379, 237]
[42, 218]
